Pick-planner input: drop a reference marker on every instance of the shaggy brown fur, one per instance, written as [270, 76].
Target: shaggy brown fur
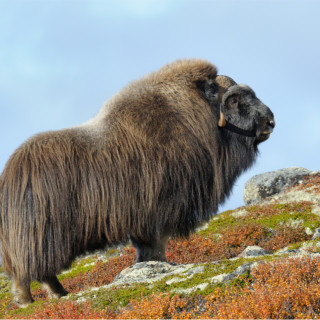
[151, 164]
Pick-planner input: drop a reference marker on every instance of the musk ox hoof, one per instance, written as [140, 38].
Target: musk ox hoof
[22, 302]
[54, 288]
[55, 295]
[21, 293]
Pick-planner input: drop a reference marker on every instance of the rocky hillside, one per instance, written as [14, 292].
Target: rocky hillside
[258, 261]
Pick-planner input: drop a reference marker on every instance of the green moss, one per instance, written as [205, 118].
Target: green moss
[220, 222]
[272, 216]
[34, 285]
[112, 252]
[23, 312]
[79, 266]
[296, 245]
[311, 245]
[5, 287]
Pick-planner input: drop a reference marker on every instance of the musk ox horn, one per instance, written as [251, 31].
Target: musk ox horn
[222, 120]
[224, 83]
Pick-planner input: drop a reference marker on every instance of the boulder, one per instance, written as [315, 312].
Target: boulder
[268, 184]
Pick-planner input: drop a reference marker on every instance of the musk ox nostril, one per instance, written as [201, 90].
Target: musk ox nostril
[271, 123]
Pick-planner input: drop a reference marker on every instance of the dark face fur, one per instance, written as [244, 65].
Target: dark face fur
[243, 109]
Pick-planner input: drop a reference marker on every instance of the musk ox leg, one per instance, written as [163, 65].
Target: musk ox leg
[155, 250]
[21, 293]
[54, 288]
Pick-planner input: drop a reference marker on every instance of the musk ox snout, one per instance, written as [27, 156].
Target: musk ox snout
[267, 124]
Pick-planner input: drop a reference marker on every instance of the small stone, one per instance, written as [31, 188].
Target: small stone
[253, 251]
[239, 213]
[308, 231]
[219, 278]
[316, 234]
[195, 270]
[200, 287]
[243, 269]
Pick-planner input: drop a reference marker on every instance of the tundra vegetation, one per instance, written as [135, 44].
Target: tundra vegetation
[281, 284]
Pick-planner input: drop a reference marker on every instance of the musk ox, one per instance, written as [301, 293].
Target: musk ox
[153, 164]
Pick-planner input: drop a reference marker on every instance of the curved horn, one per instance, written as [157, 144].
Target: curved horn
[222, 120]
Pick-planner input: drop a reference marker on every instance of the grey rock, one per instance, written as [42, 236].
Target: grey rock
[268, 184]
[253, 251]
[238, 272]
[151, 271]
[316, 234]
[194, 271]
[243, 269]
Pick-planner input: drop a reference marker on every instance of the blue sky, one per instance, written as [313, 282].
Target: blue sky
[60, 60]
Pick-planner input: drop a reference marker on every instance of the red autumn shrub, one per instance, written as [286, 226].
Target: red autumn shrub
[286, 289]
[198, 249]
[234, 241]
[284, 236]
[69, 310]
[158, 307]
[312, 182]
[195, 249]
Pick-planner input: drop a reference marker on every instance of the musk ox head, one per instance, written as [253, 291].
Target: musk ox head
[241, 112]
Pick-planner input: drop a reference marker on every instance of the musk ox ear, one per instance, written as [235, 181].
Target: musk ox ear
[210, 89]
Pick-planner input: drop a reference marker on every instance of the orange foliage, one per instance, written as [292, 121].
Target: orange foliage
[158, 307]
[284, 236]
[311, 181]
[285, 289]
[195, 249]
[232, 242]
[69, 310]
[198, 249]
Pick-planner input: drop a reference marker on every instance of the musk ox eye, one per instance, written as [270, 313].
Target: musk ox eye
[233, 102]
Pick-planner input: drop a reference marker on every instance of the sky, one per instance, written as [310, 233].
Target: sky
[60, 60]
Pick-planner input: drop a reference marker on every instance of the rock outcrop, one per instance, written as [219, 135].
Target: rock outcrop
[268, 184]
